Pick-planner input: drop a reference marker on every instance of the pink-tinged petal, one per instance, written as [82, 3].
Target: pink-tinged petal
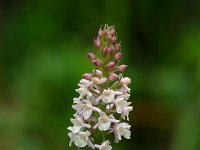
[87, 76]
[102, 80]
[97, 72]
[113, 76]
[125, 81]
[121, 68]
[95, 80]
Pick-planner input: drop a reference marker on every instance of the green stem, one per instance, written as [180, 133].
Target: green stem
[103, 137]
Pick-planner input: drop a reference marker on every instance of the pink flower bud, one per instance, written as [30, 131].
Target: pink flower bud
[112, 31]
[114, 39]
[100, 32]
[91, 56]
[95, 80]
[105, 32]
[96, 62]
[111, 64]
[109, 36]
[118, 56]
[121, 68]
[97, 42]
[109, 50]
[113, 76]
[112, 47]
[125, 80]
[97, 72]
[117, 47]
[87, 76]
[105, 50]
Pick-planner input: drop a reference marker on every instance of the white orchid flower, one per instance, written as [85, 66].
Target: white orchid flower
[104, 146]
[78, 123]
[122, 129]
[81, 139]
[122, 107]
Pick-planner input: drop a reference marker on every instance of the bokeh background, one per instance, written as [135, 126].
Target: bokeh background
[43, 46]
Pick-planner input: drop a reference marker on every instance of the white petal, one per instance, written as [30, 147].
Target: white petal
[87, 125]
[119, 110]
[102, 80]
[75, 107]
[69, 128]
[87, 114]
[75, 129]
[74, 121]
[71, 138]
[79, 142]
[118, 92]
[108, 99]
[104, 126]
[76, 100]
[84, 81]
[105, 146]
[127, 134]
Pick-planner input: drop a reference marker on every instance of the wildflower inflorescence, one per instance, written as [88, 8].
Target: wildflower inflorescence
[102, 106]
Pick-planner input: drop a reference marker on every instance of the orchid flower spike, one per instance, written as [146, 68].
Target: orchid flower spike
[102, 105]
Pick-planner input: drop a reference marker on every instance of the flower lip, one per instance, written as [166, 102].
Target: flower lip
[80, 139]
[108, 96]
[104, 122]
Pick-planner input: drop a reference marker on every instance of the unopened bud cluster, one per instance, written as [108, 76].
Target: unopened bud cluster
[102, 106]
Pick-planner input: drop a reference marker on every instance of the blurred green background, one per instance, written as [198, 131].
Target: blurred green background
[43, 46]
